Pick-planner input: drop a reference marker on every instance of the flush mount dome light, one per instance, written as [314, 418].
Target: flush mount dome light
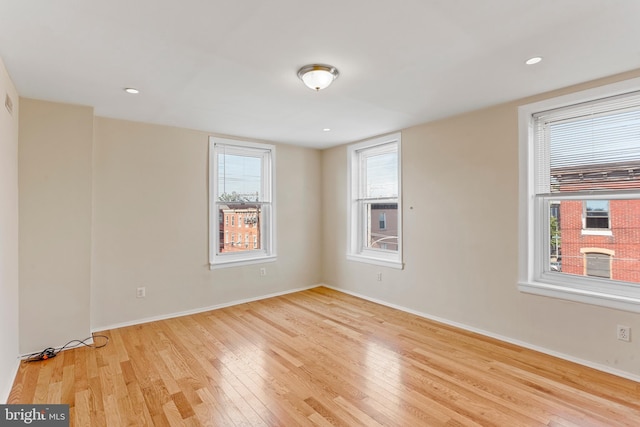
[318, 76]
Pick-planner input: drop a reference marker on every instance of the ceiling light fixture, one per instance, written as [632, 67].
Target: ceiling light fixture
[318, 76]
[533, 60]
[131, 90]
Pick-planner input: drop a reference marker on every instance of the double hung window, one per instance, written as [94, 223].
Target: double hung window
[596, 214]
[241, 187]
[580, 196]
[375, 214]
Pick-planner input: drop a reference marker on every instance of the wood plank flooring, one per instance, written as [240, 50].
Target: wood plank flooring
[320, 357]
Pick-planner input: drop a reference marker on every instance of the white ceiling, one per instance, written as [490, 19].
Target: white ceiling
[229, 67]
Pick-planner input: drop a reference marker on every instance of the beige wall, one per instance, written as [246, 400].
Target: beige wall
[55, 223]
[460, 195]
[108, 205]
[8, 234]
[150, 225]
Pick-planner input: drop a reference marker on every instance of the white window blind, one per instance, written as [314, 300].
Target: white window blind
[581, 143]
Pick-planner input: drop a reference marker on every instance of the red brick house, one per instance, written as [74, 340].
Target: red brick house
[599, 238]
[240, 228]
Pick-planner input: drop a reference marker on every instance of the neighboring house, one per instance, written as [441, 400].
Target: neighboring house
[240, 228]
[600, 237]
[384, 226]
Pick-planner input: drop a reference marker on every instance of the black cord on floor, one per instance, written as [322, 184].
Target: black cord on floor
[50, 352]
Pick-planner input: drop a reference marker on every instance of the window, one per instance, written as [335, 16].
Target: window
[579, 195]
[597, 264]
[375, 232]
[241, 187]
[596, 214]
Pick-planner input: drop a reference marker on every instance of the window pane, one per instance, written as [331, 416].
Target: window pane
[378, 237]
[597, 207]
[576, 250]
[247, 228]
[596, 214]
[382, 220]
[555, 237]
[239, 178]
[381, 175]
[595, 222]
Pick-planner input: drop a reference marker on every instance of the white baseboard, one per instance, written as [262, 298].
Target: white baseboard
[587, 363]
[6, 389]
[197, 310]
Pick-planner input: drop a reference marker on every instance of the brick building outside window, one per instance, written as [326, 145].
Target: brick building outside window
[598, 238]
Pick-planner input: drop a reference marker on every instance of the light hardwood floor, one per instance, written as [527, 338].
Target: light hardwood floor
[320, 357]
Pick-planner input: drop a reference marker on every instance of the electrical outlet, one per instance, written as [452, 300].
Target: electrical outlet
[379, 277]
[141, 292]
[624, 333]
[263, 271]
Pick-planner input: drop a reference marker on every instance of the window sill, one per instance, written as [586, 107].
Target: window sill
[603, 299]
[376, 261]
[586, 232]
[241, 262]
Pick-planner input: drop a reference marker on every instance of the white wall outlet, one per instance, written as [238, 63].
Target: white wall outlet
[141, 292]
[624, 333]
[263, 271]
[379, 277]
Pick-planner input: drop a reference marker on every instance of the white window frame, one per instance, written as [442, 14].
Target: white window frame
[532, 277]
[357, 250]
[267, 252]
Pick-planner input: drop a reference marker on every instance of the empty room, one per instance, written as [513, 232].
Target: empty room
[412, 213]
